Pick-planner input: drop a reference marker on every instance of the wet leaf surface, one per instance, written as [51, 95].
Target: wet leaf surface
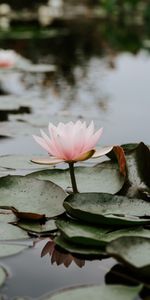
[102, 208]
[36, 227]
[104, 177]
[133, 251]
[83, 234]
[30, 195]
[80, 249]
[138, 169]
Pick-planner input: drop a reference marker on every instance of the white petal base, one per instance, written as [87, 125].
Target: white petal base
[46, 160]
[102, 151]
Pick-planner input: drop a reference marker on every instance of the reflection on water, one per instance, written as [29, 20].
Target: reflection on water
[102, 73]
[32, 276]
[60, 257]
[117, 99]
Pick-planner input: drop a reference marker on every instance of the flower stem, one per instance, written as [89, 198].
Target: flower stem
[73, 179]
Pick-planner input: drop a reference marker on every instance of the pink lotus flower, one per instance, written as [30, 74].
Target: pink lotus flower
[70, 142]
[7, 59]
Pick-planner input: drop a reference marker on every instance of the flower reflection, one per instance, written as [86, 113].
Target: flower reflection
[60, 257]
[7, 59]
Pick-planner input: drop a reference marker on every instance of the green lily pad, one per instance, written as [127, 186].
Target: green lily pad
[102, 208]
[21, 298]
[17, 165]
[104, 292]
[133, 251]
[11, 232]
[138, 170]
[11, 249]
[79, 249]
[6, 216]
[31, 195]
[104, 177]
[128, 148]
[3, 276]
[84, 234]
[36, 227]
[138, 163]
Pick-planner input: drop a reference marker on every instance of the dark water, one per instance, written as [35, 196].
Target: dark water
[33, 276]
[103, 73]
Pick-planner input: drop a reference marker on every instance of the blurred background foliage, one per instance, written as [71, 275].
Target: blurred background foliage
[69, 32]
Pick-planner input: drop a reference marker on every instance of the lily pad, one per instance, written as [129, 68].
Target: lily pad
[36, 227]
[102, 208]
[11, 249]
[83, 234]
[107, 292]
[17, 165]
[133, 251]
[138, 170]
[11, 232]
[104, 177]
[79, 249]
[31, 195]
[3, 276]
[138, 163]
[6, 216]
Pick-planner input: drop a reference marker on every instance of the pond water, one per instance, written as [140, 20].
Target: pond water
[97, 77]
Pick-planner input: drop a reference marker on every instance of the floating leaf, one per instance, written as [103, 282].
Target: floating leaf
[36, 227]
[31, 195]
[133, 251]
[7, 216]
[10, 249]
[83, 234]
[17, 165]
[138, 169]
[11, 232]
[3, 276]
[79, 249]
[102, 208]
[128, 148]
[107, 292]
[104, 177]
